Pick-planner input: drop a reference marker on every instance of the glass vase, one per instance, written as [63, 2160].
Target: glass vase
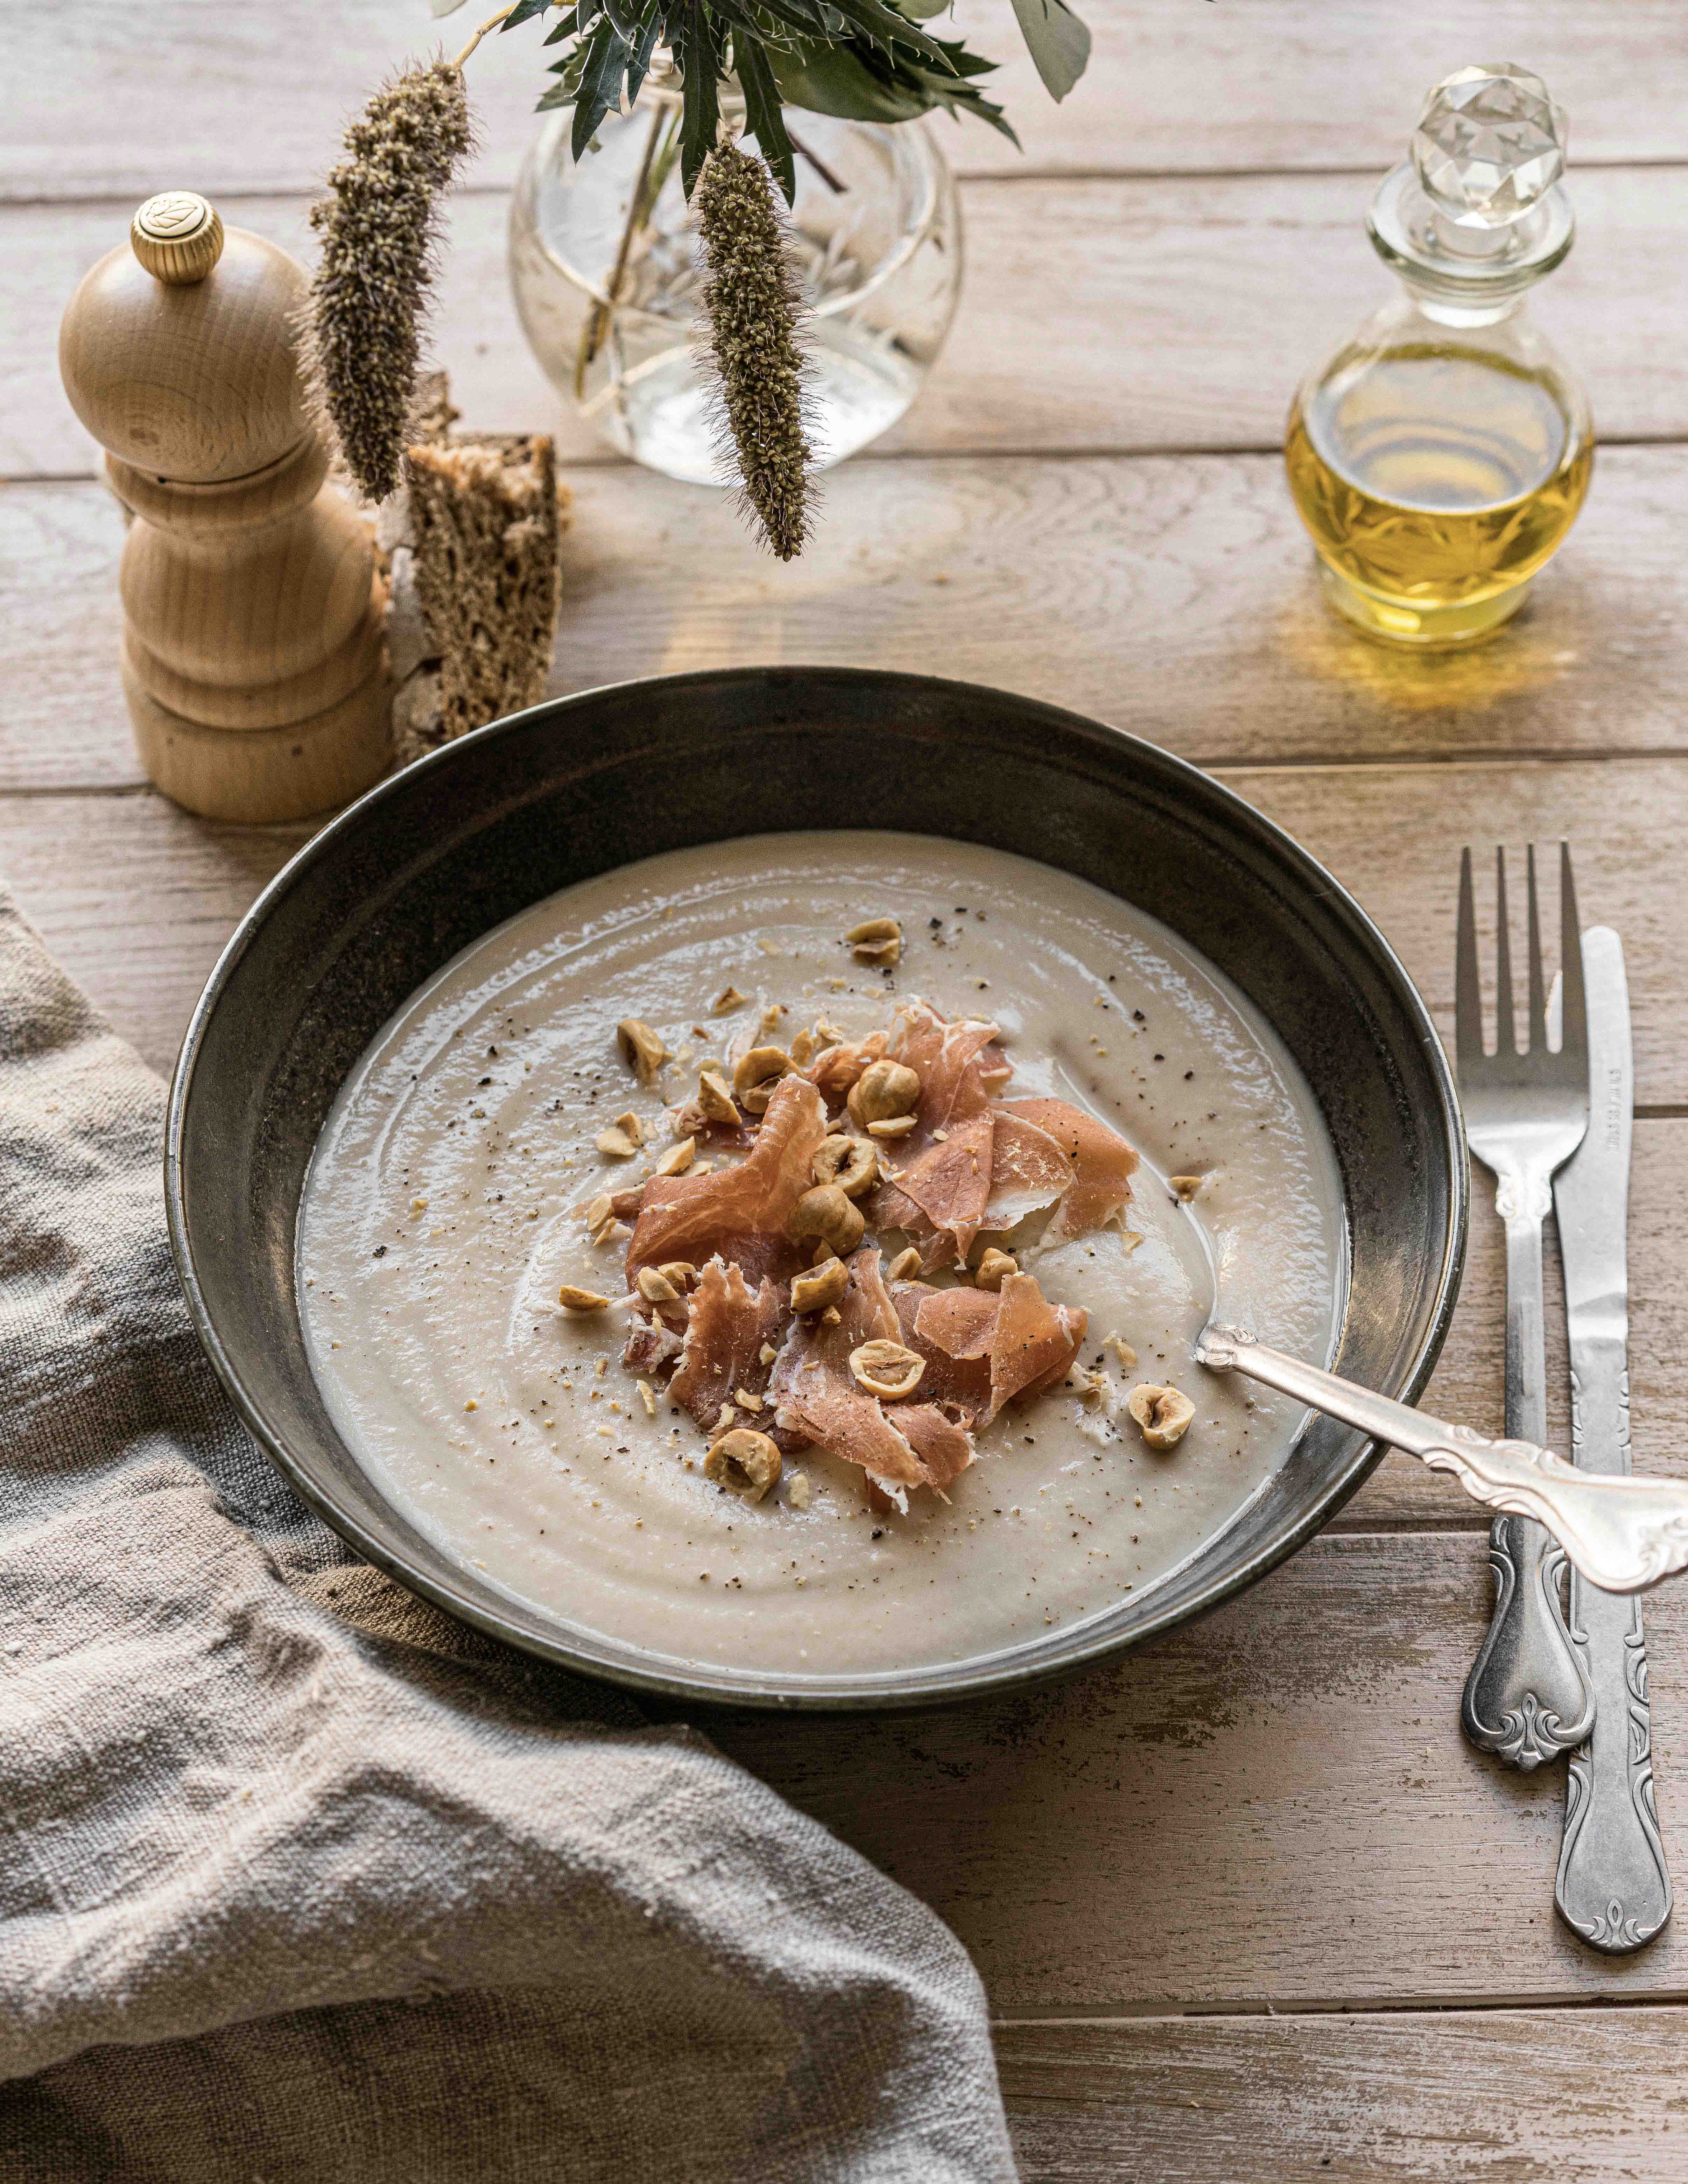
[604, 265]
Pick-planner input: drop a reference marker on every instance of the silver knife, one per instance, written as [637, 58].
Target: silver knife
[1613, 1888]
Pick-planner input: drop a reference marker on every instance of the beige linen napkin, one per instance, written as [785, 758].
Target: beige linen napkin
[298, 1878]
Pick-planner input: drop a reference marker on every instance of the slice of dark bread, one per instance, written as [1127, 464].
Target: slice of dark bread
[472, 540]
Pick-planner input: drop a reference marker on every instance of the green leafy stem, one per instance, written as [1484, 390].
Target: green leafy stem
[861, 60]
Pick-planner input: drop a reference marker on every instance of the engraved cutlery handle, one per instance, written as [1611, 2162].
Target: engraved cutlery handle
[1623, 1534]
[1614, 1886]
[1528, 1698]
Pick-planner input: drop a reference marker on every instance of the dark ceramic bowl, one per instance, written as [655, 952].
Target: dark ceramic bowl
[439, 855]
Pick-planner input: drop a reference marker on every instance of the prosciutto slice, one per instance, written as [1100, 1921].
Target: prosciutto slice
[947, 1185]
[738, 1213]
[982, 1349]
[730, 1325]
[1028, 1171]
[818, 1397]
[953, 1062]
[1101, 1162]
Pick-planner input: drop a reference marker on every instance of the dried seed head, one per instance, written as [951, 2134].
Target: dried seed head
[359, 328]
[751, 296]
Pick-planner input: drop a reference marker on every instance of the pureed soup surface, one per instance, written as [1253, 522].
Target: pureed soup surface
[445, 1205]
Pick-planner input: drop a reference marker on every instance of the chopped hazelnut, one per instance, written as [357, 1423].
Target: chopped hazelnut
[642, 1050]
[573, 1298]
[746, 1461]
[677, 1158]
[887, 1368]
[883, 1091]
[813, 1292]
[848, 1163]
[905, 1266]
[715, 1097]
[994, 1268]
[1162, 1414]
[1185, 1186]
[616, 1142]
[756, 1074]
[654, 1286]
[895, 1126]
[798, 1493]
[826, 1213]
[728, 999]
[878, 941]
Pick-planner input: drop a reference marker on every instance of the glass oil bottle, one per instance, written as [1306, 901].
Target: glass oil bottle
[1441, 454]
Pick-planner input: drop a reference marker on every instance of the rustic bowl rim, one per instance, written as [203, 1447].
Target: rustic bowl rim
[935, 1683]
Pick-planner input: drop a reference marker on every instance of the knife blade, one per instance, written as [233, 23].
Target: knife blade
[1613, 1888]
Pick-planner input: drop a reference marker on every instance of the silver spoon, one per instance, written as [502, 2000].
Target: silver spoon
[1623, 1534]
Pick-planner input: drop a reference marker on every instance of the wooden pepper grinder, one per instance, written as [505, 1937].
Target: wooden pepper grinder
[252, 608]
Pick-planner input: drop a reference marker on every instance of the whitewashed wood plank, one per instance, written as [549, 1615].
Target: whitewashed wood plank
[1173, 85]
[1098, 315]
[104, 867]
[1273, 1806]
[1172, 595]
[1460, 2097]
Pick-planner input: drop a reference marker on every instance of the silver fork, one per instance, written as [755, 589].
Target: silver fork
[1527, 1696]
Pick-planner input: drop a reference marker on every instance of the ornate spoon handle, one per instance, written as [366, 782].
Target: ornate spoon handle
[1623, 1534]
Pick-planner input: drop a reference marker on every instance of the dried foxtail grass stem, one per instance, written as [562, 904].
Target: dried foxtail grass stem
[751, 296]
[360, 331]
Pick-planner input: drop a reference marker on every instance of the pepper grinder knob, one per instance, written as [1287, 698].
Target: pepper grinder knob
[178, 237]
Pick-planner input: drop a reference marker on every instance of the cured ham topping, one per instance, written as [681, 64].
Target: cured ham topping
[738, 1213]
[729, 1326]
[1102, 1162]
[789, 1328]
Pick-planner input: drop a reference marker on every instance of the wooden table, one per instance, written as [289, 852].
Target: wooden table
[1247, 1906]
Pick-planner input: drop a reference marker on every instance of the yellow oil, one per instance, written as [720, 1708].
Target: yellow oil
[1435, 480]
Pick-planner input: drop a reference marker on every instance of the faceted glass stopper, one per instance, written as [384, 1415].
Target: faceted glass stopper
[1489, 143]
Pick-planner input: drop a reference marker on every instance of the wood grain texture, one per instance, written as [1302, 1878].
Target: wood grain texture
[1466, 2096]
[1190, 310]
[1172, 84]
[1172, 595]
[1391, 832]
[1273, 1805]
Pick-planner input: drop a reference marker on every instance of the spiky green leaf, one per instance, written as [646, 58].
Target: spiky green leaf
[1058, 41]
[762, 118]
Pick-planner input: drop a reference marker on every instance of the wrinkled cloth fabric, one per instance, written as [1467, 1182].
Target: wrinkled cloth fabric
[298, 1877]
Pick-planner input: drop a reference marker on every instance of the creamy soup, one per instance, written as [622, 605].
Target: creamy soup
[445, 1206]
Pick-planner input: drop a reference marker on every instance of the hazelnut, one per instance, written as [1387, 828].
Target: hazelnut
[826, 1213]
[875, 940]
[1162, 1414]
[715, 1097]
[994, 1268]
[853, 1166]
[884, 1091]
[574, 1299]
[905, 1266]
[680, 1272]
[677, 1158]
[616, 1142]
[642, 1050]
[757, 1073]
[825, 1285]
[1185, 1187]
[654, 1286]
[887, 1368]
[746, 1461]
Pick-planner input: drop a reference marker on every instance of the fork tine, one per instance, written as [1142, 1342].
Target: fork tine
[1537, 1041]
[1573, 1012]
[1468, 980]
[1505, 1039]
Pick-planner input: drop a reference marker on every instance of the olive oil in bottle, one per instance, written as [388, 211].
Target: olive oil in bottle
[1440, 457]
